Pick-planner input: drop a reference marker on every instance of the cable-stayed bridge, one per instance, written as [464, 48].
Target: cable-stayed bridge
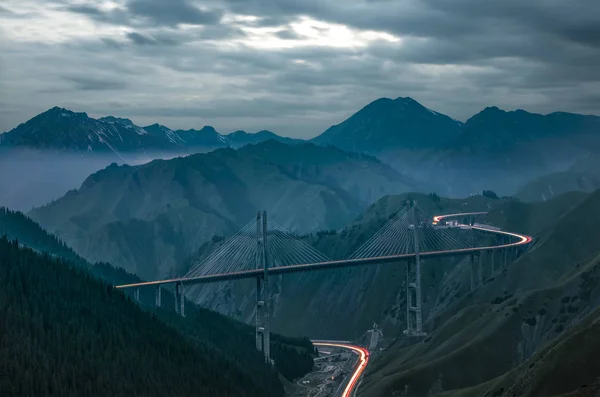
[260, 250]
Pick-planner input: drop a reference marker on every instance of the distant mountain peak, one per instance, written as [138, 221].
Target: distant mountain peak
[208, 129]
[57, 111]
[265, 133]
[406, 99]
[387, 124]
[112, 119]
[492, 109]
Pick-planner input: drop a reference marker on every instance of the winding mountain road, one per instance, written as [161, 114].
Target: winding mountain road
[363, 360]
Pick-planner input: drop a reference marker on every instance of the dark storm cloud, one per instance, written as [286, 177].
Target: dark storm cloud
[155, 12]
[140, 39]
[288, 34]
[86, 83]
[86, 9]
[454, 56]
[112, 43]
[116, 16]
[173, 12]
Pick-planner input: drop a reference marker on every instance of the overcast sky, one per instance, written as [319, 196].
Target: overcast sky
[294, 66]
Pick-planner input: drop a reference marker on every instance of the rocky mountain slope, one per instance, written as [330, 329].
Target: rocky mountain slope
[513, 335]
[150, 217]
[583, 176]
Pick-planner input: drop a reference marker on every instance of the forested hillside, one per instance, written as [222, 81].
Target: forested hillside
[64, 333]
[16, 226]
[293, 356]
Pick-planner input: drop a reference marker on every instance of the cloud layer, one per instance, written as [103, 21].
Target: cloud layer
[295, 67]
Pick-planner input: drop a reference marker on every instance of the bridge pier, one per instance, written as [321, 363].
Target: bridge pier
[136, 294]
[180, 299]
[263, 320]
[158, 296]
[480, 269]
[476, 269]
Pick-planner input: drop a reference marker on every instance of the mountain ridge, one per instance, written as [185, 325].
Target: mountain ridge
[65, 130]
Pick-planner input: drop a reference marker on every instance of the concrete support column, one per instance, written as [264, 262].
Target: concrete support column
[258, 320]
[136, 294]
[158, 296]
[472, 262]
[480, 269]
[177, 297]
[410, 328]
[476, 261]
[182, 300]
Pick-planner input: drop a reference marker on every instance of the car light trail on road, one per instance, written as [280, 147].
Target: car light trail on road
[363, 360]
[523, 238]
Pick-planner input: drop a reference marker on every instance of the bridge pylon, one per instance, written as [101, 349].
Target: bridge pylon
[414, 315]
[263, 319]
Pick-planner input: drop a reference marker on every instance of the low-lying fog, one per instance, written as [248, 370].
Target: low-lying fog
[31, 178]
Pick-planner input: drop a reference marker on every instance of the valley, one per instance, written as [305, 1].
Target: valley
[281, 198]
[159, 219]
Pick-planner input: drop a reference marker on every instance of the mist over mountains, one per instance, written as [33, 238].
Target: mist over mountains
[498, 149]
[150, 217]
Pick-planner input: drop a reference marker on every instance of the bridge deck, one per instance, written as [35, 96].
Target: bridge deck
[522, 240]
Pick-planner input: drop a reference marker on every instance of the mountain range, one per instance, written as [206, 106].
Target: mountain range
[64, 130]
[382, 126]
[494, 149]
[150, 217]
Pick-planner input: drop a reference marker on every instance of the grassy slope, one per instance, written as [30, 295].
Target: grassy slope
[533, 218]
[583, 176]
[567, 367]
[555, 286]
